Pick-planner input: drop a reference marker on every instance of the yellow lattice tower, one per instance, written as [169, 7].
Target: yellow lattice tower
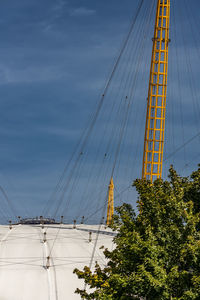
[156, 102]
[110, 208]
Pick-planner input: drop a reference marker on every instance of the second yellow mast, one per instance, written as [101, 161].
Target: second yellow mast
[110, 208]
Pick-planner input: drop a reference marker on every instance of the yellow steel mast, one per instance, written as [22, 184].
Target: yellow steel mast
[156, 102]
[110, 208]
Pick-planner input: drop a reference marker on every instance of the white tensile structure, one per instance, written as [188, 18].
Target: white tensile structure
[24, 272]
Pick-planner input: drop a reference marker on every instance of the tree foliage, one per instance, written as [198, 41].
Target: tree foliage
[157, 252]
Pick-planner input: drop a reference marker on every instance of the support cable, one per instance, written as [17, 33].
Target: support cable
[101, 102]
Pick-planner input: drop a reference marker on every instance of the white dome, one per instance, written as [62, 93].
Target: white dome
[23, 260]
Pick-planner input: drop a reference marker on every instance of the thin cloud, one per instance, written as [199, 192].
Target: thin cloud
[82, 11]
[31, 74]
[60, 5]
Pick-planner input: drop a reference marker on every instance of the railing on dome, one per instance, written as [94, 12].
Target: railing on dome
[31, 221]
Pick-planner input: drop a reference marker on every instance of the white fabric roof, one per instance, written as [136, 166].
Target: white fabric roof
[23, 258]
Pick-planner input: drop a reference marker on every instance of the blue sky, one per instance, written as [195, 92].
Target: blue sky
[55, 57]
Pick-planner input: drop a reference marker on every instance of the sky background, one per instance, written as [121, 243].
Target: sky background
[55, 57]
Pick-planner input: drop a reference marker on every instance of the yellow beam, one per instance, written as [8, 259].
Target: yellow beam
[110, 208]
[156, 102]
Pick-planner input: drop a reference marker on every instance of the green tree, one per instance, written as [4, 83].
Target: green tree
[157, 253]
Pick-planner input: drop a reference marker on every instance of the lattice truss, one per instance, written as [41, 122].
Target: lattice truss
[156, 102]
